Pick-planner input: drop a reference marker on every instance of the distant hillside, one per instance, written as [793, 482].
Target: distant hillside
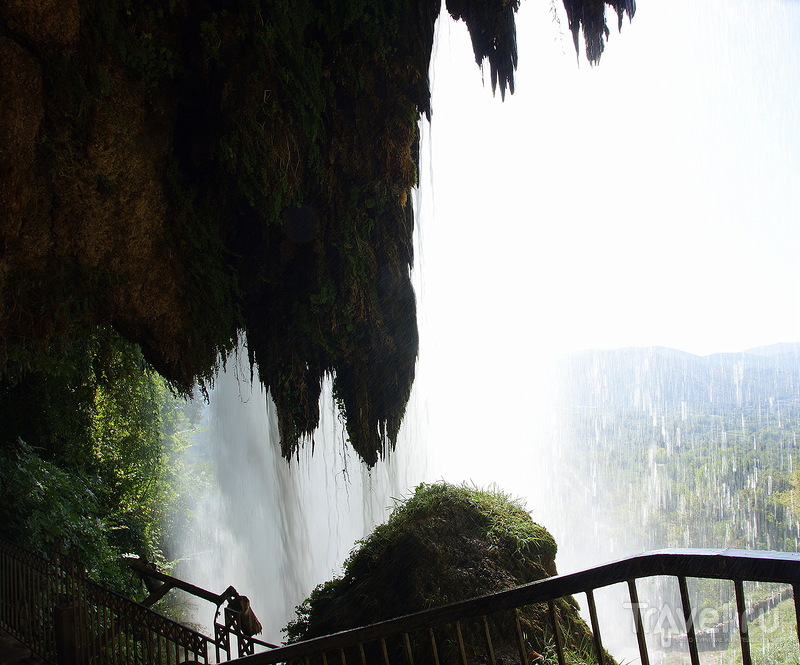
[657, 378]
[784, 349]
[670, 449]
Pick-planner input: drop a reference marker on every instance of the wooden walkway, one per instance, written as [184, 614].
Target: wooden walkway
[14, 653]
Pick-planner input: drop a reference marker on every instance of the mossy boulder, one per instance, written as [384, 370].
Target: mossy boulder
[444, 544]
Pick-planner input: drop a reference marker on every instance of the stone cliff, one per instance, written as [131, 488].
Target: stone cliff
[192, 172]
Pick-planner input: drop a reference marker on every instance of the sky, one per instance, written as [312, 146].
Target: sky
[653, 200]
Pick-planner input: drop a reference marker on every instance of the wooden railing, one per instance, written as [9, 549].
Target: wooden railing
[417, 638]
[62, 616]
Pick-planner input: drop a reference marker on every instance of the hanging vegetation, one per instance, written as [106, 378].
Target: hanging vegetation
[193, 172]
[97, 447]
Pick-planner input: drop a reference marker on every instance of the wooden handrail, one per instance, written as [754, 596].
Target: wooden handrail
[728, 564]
[30, 587]
[145, 569]
[52, 607]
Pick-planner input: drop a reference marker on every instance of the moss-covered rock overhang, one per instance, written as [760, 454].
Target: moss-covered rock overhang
[443, 544]
[190, 172]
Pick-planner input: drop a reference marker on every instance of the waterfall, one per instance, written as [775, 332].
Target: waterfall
[275, 529]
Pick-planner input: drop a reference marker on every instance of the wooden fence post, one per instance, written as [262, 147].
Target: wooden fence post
[65, 634]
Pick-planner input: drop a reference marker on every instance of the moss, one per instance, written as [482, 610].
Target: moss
[201, 172]
[589, 17]
[443, 544]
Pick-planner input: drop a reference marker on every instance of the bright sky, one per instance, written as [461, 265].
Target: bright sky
[653, 200]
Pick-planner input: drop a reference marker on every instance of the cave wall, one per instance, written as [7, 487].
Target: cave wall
[193, 172]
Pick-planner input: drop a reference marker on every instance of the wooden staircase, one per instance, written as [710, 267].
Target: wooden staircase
[14, 652]
[64, 618]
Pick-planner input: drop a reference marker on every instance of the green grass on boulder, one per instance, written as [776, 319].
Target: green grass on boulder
[444, 544]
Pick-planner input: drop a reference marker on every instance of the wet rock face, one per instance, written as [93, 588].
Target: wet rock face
[42, 25]
[188, 173]
[84, 221]
[21, 113]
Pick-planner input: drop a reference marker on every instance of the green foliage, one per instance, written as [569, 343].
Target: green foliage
[443, 544]
[773, 636]
[502, 520]
[44, 504]
[136, 31]
[713, 479]
[90, 445]
[410, 562]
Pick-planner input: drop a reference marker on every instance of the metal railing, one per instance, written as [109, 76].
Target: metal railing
[426, 636]
[62, 616]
